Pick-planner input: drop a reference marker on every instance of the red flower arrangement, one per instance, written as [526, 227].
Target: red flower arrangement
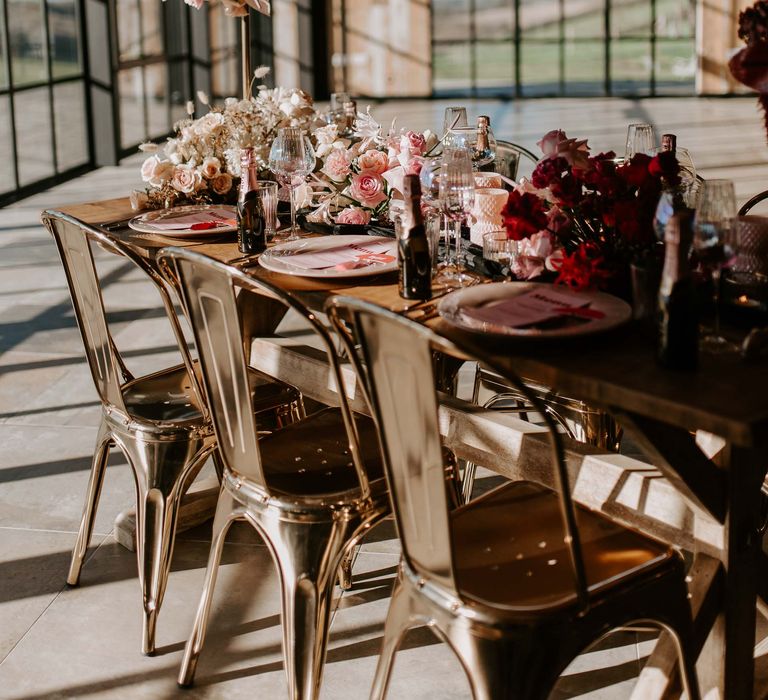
[596, 211]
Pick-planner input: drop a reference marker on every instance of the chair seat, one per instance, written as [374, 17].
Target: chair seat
[311, 457]
[168, 396]
[510, 552]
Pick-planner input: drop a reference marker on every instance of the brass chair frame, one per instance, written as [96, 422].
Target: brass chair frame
[308, 535]
[515, 649]
[160, 422]
[753, 202]
[508, 157]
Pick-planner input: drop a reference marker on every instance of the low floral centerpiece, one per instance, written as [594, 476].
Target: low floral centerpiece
[585, 218]
[359, 174]
[201, 162]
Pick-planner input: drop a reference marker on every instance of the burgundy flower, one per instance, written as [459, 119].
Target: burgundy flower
[583, 269]
[548, 171]
[636, 171]
[524, 215]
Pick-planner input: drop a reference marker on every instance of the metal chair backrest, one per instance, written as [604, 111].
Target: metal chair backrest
[393, 356]
[73, 238]
[508, 157]
[209, 289]
[753, 202]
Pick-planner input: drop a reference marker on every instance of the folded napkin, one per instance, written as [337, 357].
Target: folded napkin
[344, 256]
[208, 218]
[532, 308]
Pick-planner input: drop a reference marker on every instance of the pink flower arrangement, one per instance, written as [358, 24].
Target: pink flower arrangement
[360, 173]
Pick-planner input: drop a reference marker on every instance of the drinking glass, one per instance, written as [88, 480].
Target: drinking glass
[457, 195]
[454, 117]
[688, 182]
[291, 159]
[338, 99]
[497, 247]
[712, 241]
[267, 193]
[465, 137]
[640, 139]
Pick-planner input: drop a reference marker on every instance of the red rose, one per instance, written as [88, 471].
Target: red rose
[524, 215]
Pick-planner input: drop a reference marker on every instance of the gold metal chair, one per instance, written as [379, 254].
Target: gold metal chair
[508, 158]
[311, 489]
[578, 420]
[159, 421]
[519, 581]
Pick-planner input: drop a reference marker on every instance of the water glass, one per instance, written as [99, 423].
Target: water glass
[454, 117]
[267, 193]
[291, 159]
[498, 248]
[640, 139]
[712, 241]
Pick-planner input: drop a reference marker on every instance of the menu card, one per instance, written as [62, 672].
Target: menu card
[208, 218]
[344, 255]
[534, 307]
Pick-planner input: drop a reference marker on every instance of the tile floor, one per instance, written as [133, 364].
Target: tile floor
[57, 642]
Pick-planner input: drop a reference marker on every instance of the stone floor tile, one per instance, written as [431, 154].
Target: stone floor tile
[43, 477]
[33, 570]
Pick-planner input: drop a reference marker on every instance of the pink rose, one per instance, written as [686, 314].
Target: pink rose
[185, 179]
[415, 143]
[337, 165]
[549, 141]
[374, 161]
[221, 183]
[368, 189]
[555, 144]
[354, 215]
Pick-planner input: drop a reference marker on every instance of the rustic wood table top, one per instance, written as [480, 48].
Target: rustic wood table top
[617, 370]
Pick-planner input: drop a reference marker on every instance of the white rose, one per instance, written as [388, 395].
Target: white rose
[210, 168]
[156, 172]
[185, 179]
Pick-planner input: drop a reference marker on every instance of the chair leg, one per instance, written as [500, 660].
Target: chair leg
[468, 481]
[395, 626]
[156, 514]
[226, 510]
[98, 467]
[687, 664]
[308, 557]
[345, 570]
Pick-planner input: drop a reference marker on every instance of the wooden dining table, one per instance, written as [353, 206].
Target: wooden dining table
[670, 414]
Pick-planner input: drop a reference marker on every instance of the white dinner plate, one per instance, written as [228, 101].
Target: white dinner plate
[147, 222]
[285, 257]
[609, 311]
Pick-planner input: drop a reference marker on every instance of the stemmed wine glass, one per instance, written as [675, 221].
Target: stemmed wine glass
[457, 195]
[713, 244]
[640, 139]
[291, 159]
[467, 137]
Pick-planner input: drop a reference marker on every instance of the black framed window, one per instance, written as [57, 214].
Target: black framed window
[43, 112]
[563, 47]
[154, 73]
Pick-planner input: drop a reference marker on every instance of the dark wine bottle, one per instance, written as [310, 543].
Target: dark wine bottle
[414, 260]
[251, 219]
[678, 342]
